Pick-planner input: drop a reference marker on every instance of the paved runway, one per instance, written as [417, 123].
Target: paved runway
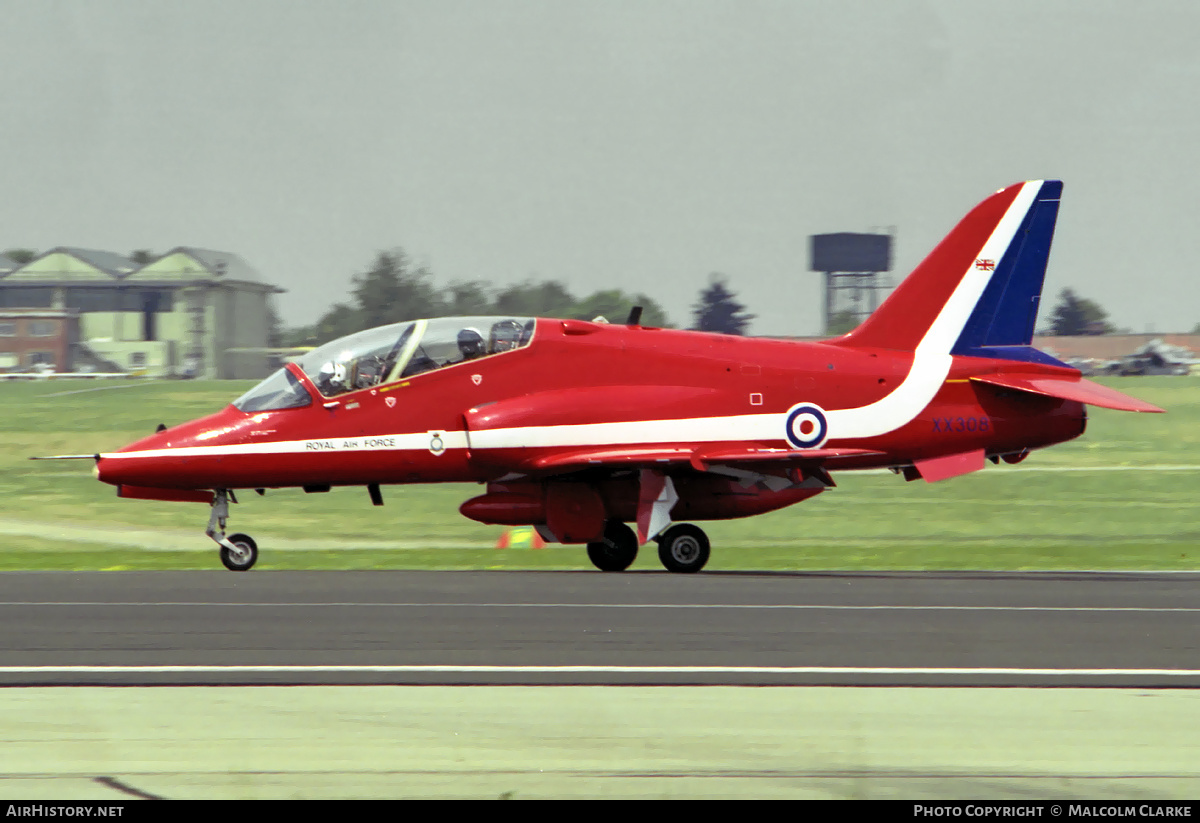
[1010, 629]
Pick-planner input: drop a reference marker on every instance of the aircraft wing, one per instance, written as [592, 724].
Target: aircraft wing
[1067, 388]
[700, 458]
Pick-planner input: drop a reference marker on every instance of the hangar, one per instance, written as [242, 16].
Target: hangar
[188, 313]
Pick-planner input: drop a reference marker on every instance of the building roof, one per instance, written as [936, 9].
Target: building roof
[181, 266]
[115, 264]
[192, 263]
[224, 264]
[70, 265]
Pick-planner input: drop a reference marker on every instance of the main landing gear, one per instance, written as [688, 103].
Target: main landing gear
[616, 550]
[683, 548]
[238, 551]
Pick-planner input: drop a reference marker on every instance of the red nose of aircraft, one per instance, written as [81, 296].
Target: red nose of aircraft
[181, 457]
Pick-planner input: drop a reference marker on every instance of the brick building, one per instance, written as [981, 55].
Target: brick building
[35, 339]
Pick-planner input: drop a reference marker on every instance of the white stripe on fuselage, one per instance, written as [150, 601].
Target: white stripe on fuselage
[932, 359]
[413, 441]
[931, 364]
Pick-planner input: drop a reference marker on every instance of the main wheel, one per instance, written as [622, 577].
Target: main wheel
[683, 548]
[244, 560]
[616, 551]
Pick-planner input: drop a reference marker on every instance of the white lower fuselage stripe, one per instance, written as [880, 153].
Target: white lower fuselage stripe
[659, 670]
[410, 441]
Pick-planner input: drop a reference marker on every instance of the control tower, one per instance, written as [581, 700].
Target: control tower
[852, 265]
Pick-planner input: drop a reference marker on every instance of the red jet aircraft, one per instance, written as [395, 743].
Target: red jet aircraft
[579, 428]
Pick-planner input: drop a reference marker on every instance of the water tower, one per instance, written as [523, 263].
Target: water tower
[852, 265]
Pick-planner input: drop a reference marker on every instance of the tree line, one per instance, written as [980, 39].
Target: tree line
[393, 289]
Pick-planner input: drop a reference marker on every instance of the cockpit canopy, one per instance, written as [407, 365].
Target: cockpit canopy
[387, 354]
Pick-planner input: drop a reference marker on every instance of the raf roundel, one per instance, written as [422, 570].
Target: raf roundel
[806, 426]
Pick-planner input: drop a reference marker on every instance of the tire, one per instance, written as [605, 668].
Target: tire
[240, 564]
[616, 551]
[683, 549]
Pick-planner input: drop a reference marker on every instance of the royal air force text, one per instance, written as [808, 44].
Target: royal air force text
[354, 443]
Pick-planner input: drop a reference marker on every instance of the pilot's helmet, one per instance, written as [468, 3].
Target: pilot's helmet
[332, 373]
[505, 335]
[470, 343]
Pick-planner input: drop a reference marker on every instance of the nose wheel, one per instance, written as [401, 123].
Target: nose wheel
[239, 552]
[243, 554]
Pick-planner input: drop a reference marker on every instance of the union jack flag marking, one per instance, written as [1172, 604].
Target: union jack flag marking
[983, 264]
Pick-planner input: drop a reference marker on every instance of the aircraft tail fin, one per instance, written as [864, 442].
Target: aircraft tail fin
[977, 292]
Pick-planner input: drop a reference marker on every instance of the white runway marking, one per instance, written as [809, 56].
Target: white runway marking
[1151, 468]
[98, 388]
[996, 471]
[769, 606]
[194, 541]
[782, 670]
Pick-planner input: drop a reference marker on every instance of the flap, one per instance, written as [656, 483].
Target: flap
[951, 465]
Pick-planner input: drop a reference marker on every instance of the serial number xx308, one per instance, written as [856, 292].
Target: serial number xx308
[946, 425]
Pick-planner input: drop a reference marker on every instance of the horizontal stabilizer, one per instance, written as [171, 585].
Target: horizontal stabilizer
[1067, 388]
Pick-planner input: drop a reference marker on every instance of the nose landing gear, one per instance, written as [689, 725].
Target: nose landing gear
[242, 556]
[238, 551]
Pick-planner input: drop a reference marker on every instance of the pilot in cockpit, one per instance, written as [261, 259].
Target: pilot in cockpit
[470, 343]
[348, 374]
[505, 336]
[331, 379]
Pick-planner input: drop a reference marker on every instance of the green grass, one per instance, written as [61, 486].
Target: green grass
[597, 742]
[57, 516]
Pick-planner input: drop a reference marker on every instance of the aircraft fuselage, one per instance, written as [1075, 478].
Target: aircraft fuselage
[583, 385]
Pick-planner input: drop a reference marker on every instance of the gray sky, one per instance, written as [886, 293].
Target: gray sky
[636, 145]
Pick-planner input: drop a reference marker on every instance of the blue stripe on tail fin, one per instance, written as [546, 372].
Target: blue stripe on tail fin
[1002, 324]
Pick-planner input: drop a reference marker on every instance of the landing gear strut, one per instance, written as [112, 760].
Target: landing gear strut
[238, 551]
[616, 551]
[683, 548]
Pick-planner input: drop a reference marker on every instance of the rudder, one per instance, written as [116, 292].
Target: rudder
[1003, 321]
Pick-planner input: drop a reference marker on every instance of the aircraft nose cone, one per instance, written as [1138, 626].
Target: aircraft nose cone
[158, 460]
[128, 465]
